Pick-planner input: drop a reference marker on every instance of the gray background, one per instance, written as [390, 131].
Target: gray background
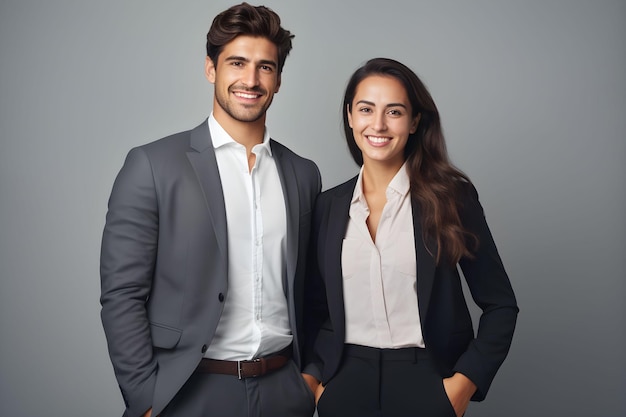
[533, 100]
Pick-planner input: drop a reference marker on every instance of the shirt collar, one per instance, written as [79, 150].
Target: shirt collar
[400, 184]
[220, 137]
[357, 195]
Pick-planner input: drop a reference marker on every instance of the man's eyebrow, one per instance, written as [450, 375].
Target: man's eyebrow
[244, 59]
[369, 103]
[236, 58]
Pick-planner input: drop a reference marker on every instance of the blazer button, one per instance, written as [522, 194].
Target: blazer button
[204, 348]
[221, 297]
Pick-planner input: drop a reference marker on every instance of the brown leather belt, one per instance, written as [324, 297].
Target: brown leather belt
[243, 369]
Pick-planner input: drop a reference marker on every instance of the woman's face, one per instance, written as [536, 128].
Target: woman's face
[381, 120]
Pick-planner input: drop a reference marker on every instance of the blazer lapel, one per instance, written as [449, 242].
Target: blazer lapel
[289, 183]
[202, 158]
[425, 265]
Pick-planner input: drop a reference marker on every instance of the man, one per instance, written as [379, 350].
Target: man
[204, 247]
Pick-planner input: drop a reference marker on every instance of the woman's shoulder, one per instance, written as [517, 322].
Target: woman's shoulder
[466, 189]
[347, 186]
[338, 193]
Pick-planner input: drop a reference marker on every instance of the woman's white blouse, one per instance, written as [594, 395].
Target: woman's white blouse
[379, 278]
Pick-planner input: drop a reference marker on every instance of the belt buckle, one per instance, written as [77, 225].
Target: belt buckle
[240, 370]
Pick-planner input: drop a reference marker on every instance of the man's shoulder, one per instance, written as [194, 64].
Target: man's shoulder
[284, 152]
[167, 143]
[180, 141]
[172, 140]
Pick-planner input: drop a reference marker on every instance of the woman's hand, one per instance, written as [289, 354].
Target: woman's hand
[314, 384]
[318, 392]
[459, 389]
[311, 381]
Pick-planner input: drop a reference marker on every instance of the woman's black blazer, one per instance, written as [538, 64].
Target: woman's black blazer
[445, 319]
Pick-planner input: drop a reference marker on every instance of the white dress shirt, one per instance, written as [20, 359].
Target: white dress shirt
[255, 319]
[379, 278]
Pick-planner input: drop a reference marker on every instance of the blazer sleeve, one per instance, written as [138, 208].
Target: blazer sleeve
[127, 263]
[492, 292]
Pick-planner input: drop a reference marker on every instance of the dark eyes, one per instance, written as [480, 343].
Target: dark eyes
[391, 112]
[266, 68]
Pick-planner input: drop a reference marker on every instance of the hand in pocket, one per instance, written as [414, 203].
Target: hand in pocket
[318, 392]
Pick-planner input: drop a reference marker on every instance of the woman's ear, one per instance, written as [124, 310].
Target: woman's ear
[349, 113]
[415, 122]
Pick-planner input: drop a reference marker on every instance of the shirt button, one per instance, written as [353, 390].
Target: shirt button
[221, 297]
[204, 348]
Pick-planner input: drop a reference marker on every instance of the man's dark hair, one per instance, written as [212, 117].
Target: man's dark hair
[244, 19]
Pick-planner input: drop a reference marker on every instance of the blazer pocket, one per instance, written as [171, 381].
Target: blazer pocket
[164, 337]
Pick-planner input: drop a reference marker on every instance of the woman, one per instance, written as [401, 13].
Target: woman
[388, 328]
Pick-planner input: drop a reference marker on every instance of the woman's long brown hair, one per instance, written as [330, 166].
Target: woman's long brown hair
[436, 184]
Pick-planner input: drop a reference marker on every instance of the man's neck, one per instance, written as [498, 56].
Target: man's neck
[246, 133]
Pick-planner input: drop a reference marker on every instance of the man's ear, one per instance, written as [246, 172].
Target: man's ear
[277, 84]
[209, 70]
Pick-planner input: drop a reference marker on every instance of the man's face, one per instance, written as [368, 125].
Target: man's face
[246, 78]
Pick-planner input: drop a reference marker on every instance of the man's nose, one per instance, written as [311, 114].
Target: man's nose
[251, 77]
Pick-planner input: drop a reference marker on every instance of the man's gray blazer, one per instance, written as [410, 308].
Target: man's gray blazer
[164, 261]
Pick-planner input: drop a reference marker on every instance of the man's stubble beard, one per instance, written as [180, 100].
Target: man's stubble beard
[243, 116]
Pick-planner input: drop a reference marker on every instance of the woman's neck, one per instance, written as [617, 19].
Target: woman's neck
[376, 177]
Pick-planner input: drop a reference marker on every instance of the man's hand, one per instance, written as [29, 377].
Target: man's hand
[459, 389]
